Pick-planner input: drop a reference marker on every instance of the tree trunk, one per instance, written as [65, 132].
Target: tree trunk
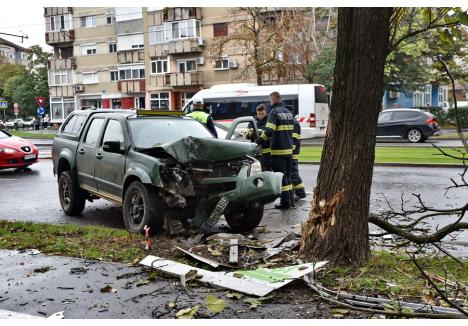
[337, 228]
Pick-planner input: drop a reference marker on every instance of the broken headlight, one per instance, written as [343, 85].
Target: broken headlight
[255, 168]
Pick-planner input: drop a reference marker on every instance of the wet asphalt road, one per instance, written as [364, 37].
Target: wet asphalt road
[32, 196]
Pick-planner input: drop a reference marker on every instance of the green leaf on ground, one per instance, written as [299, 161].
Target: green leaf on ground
[214, 304]
[142, 282]
[187, 313]
[234, 295]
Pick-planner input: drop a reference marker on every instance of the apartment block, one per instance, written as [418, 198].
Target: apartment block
[153, 58]
[12, 53]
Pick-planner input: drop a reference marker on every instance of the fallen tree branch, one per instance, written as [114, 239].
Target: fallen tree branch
[439, 291]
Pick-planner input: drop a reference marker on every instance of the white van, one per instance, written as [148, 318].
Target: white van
[229, 101]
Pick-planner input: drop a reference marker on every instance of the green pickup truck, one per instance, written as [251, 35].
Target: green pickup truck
[160, 166]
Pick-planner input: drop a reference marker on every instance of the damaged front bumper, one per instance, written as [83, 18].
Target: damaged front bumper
[263, 187]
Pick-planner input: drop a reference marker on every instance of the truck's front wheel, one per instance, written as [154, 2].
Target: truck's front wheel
[141, 207]
[245, 219]
[72, 198]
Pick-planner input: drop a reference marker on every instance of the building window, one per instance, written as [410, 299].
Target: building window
[90, 77]
[114, 75]
[174, 31]
[61, 107]
[112, 47]
[138, 46]
[135, 72]
[130, 41]
[57, 23]
[222, 63]
[156, 34]
[88, 21]
[428, 95]
[116, 103]
[60, 77]
[186, 96]
[220, 29]
[160, 66]
[443, 95]
[186, 65]
[88, 49]
[418, 99]
[160, 101]
[110, 19]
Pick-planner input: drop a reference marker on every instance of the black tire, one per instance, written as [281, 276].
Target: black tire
[142, 206]
[415, 135]
[72, 198]
[245, 219]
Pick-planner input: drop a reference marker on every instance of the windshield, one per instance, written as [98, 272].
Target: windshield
[3, 135]
[149, 132]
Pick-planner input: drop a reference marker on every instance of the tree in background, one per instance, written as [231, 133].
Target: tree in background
[8, 70]
[30, 82]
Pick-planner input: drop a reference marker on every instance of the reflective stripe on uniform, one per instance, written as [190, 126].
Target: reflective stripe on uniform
[264, 136]
[199, 116]
[271, 125]
[266, 150]
[295, 157]
[296, 135]
[298, 186]
[281, 151]
[285, 128]
[294, 147]
[286, 188]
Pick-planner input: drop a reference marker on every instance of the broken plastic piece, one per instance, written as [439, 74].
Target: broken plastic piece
[233, 251]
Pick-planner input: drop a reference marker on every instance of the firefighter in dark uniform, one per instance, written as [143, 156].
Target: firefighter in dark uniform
[203, 117]
[298, 186]
[261, 121]
[278, 131]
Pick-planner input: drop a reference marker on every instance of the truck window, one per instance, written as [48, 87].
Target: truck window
[68, 128]
[93, 131]
[113, 132]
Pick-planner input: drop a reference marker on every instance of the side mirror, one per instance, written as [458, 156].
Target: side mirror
[112, 147]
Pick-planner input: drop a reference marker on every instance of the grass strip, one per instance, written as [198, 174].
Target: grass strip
[409, 155]
[31, 135]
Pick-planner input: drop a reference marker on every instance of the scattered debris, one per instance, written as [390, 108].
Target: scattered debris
[57, 315]
[3, 298]
[44, 269]
[67, 301]
[195, 239]
[142, 282]
[148, 240]
[187, 313]
[255, 302]
[65, 288]
[224, 238]
[208, 261]
[78, 270]
[108, 288]
[270, 252]
[215, 214]
[214, 304]
[234, 295]
[189, 276]
[234, 251]
[258, 284]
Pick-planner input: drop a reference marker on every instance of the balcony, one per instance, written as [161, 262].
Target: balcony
[175, 47]
[54, 38]
[130, 56]
[131, 86]
[62, 64]
[194, 78]
[173, 14]
[56, 11]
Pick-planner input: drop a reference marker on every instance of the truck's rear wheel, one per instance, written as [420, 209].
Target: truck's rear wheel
[142, 206]
[245, 219]
[72, 198]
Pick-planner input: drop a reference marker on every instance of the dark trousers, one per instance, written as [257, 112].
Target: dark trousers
[265, 160]
[298, 186]
[283, 164]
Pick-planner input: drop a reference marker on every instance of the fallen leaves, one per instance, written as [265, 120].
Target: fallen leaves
[255, 302]
[214, 304]
[141, 283]
[187, 313]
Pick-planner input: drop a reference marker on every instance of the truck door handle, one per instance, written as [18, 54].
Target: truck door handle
[81, 151]
[99, 156]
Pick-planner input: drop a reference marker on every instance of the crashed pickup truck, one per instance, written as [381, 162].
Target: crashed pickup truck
[160, 166]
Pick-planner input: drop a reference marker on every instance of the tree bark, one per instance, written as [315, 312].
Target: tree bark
[337, 228]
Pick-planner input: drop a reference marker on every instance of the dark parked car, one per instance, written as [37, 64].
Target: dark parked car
[412, 124]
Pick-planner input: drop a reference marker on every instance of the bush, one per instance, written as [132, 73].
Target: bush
[447, 119]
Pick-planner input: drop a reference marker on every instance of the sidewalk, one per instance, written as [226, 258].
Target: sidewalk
[74, 286]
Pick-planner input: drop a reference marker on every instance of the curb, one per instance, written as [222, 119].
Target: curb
[422, 165]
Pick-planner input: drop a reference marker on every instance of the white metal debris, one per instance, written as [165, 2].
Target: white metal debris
[234, 251]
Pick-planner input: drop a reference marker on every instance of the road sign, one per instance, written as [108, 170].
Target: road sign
[40, 100]
[40, 110]
[3, 104]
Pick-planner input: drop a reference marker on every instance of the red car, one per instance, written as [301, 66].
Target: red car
[16, 152]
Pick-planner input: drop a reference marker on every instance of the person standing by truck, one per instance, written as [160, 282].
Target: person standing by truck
[261, 121]
[278, 131]
[202, 117]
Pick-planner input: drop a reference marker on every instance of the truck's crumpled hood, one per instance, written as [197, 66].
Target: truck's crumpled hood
[190, 149]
